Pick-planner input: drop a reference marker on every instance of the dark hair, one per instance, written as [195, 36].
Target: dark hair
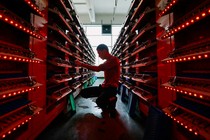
[102, 47]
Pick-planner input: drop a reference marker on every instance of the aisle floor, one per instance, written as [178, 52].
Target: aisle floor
[89, 124]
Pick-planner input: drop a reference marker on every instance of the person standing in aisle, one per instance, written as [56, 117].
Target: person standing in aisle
[106, 92]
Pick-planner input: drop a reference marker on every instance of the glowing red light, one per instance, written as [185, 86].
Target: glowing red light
[197, 18]
[203, 14]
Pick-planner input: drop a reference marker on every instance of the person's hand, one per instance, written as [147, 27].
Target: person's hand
[78, 63]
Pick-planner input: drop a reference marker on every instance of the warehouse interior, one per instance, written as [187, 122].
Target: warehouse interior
[163, 92]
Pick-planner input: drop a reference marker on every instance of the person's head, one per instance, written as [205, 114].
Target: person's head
[103, 51]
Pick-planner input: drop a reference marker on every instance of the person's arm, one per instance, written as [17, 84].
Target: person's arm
[90, 67]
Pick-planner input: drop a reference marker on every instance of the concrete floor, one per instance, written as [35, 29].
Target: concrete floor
[89, 124]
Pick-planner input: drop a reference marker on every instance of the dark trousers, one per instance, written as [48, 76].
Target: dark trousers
[106, 96]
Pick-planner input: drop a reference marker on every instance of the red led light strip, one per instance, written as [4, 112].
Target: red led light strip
[20, 123]
[187, 58]
[168, 7]
[17, 92]
[18, 25]
[186, 92]
[25, 120]
[189, 128]
[18, 58]
[187, 23]
[34, 6]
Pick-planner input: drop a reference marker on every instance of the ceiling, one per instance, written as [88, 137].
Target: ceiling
[101, 11]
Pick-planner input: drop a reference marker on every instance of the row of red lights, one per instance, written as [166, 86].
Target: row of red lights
[15, 128]
[185, 92]
[183, 124]
[32, 5]
[189, 58]
[17, 92]
[168, 7]
[7, 57]
[19, 26]
[186, 24]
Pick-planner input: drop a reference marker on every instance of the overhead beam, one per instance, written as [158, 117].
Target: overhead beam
[91, 10]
